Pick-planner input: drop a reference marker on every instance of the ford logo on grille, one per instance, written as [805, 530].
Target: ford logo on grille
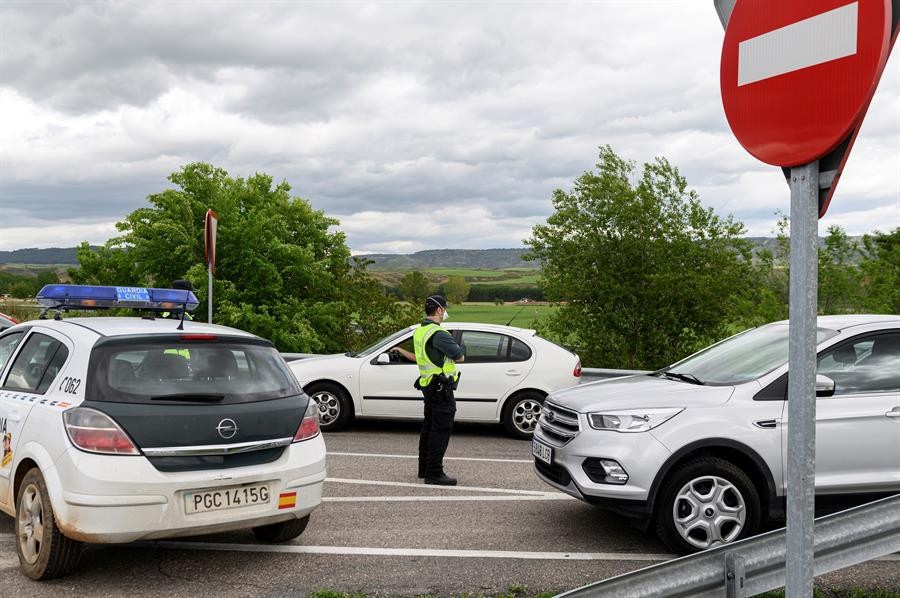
[549, 417]
[227, 428]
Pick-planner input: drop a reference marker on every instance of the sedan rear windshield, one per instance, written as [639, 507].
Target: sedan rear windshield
[143, 369]
[743, 357]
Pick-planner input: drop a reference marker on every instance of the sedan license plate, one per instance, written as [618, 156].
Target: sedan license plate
[228, 497]
[542, 451]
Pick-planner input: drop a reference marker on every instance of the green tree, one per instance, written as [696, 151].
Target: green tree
[415, 287]
[457, 289]
[839, 290]
[281, 272]
[880, 268]
[647, 273]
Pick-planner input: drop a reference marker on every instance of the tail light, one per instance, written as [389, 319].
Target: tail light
[96, 432]
[309, 427]
[577, 371]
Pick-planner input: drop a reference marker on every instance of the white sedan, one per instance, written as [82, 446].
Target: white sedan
[505, 377]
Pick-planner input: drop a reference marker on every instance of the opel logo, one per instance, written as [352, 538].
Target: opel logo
[227, 428]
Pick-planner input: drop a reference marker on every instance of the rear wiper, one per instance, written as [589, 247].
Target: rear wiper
[187, 396]
[684, 377]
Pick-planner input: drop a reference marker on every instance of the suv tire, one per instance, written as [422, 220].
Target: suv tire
[706, 502]
[335, 407]
[281, 532]
[44, 552]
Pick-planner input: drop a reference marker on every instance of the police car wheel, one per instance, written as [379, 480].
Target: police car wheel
[334, 405]
[521, 414]
[281, 532]
[44, 553]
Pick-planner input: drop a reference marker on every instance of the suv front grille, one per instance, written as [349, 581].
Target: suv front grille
[558, 424]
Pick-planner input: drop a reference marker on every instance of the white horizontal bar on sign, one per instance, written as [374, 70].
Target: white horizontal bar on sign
[822, 38]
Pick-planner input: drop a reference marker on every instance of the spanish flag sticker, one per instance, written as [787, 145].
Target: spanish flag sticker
[288, 500]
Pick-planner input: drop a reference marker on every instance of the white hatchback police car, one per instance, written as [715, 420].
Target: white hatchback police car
[124, 429]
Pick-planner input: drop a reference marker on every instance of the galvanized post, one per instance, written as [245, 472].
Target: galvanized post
[209, 296]
[801, 383]
[735, 576]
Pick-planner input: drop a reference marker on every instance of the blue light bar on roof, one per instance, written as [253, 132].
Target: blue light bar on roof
[77, 296]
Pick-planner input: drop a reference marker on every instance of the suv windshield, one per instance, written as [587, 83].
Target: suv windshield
[143, 369]
[743, 357]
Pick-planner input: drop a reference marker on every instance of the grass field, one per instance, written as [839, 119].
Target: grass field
[523, 316]
[516, 277]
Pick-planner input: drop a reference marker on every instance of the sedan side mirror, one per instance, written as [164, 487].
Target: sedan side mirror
[385, 359]
[824, 386]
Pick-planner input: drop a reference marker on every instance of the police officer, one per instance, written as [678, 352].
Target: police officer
[436, 354]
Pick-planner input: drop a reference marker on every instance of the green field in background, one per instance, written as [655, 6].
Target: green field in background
[464, 272]
[527, 280]
[488, 313]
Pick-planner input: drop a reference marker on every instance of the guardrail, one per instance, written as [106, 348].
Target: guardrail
[590, 374]
[757, 564]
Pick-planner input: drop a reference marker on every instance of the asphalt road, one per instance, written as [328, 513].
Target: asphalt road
[382, 532]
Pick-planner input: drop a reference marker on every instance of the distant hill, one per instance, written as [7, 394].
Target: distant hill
[52, 255]
[478, 259]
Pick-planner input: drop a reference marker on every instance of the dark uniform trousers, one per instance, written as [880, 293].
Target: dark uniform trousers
[440, 408]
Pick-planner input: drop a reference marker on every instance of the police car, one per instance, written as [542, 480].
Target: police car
[121, 429]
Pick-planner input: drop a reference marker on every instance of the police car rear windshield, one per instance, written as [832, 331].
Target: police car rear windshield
[166, 370]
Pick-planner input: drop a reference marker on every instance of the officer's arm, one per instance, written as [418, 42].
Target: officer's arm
[444, 343]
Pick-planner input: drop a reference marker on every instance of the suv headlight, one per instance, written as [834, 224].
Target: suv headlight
[632, 420]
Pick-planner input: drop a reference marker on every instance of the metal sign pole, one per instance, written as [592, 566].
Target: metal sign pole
[209, 306]
[801, 448]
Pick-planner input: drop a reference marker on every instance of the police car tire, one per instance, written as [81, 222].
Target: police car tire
[509, 408]
[346, 407]
[58, 555]
[281, 532]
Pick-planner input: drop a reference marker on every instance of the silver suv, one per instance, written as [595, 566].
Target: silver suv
[698, 450]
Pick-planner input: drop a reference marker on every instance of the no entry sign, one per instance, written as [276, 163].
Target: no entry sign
[797, 76]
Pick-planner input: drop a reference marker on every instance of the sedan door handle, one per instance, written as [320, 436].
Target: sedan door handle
[895, 412]
[513, 373]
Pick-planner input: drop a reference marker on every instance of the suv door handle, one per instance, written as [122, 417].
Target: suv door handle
[513, 373]
[895, 412]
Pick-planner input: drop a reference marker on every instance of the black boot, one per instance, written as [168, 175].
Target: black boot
[441, 479]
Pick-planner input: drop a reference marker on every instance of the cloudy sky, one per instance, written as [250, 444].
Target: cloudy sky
[469, 113]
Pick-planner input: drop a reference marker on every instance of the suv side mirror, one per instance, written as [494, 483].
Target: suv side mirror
[385, 359]
[824, 386]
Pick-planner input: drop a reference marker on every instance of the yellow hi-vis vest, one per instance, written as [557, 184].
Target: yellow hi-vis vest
[428, 369]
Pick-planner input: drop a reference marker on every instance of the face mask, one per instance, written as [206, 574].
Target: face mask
[446, 316]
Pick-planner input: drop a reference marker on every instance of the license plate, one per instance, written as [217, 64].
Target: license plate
[542, 451]
[228, 497]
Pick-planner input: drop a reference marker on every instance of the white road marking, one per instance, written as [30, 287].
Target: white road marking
[422, 486]
[443, 498]
[822, 38]
[417, 552]
[391, 456]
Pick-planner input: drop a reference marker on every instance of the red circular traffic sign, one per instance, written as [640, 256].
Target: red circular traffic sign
[797, 75]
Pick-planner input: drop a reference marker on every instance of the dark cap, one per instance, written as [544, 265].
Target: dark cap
[437, 300]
